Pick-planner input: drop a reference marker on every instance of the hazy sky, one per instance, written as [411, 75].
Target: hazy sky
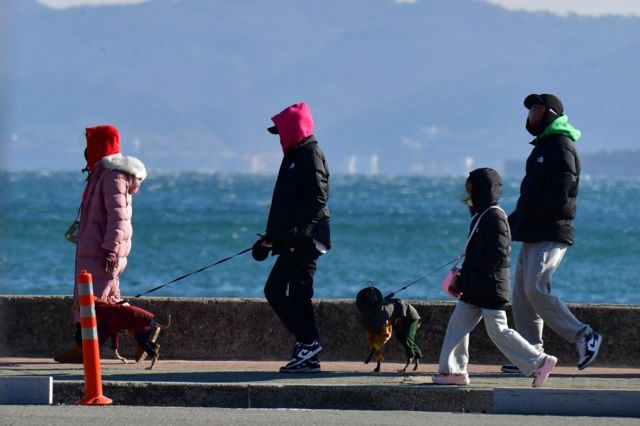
[560, 7]
[419, 148]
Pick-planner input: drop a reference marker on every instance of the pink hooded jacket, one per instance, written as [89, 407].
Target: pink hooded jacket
[105, 222]
[294, 124]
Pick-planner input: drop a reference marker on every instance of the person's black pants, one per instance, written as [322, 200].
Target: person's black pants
[294, 271]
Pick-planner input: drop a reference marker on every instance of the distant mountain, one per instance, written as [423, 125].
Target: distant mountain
[609, 164]
[430, 87]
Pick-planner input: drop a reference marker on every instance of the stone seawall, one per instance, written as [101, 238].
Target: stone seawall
[247, 329]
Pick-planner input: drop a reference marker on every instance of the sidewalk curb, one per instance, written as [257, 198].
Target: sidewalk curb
[567, 402]
[572, 402]
[409, 398]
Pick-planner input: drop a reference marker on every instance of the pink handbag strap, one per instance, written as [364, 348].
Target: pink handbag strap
[473, 232]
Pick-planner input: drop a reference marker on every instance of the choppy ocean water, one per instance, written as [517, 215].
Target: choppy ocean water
[388, 230]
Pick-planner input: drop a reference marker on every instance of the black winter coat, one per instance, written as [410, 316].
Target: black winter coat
[485, 271]
[548, 193]
[299, 209]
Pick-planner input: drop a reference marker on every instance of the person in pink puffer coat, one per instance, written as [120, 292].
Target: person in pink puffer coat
[104, 236]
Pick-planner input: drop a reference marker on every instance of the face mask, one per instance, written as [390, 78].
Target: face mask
[534, 131]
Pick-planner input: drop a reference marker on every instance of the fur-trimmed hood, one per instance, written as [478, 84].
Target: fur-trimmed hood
[127, 164]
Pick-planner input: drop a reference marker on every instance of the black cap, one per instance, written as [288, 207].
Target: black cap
[273, 130]
[545, 99]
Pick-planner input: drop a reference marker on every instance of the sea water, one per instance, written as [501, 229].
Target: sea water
[385, 230]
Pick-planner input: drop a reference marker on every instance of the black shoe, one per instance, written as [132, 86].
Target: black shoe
[588, 348]
[312, 365]
[295, 350]
[304, 352]
[510, 369]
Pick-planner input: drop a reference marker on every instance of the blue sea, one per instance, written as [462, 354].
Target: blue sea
[386, 230]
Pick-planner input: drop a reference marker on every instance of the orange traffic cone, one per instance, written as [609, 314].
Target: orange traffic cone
[90, 347]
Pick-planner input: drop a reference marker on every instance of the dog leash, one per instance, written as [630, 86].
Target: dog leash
[194, 272]
[456, 260]
[390, 295]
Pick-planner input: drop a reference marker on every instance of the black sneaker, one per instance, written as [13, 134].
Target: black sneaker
[296, 348]
[307, 366]
[304, 352]
[510, 369]
[588, 348]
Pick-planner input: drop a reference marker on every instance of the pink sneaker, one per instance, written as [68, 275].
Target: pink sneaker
[461, 379]
[542, 373]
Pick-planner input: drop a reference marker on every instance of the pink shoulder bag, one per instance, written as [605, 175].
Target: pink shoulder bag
[451, 283]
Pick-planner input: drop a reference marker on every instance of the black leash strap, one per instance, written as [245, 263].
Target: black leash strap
[390, 295]
[194, 272]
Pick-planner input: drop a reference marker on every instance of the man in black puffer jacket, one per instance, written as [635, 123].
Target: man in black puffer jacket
[543, 221]
[485, 290]
[298, 231]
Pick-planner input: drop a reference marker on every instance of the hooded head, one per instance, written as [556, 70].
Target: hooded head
[101, 142]
[369, 301]
[553, 109]
[484, 187]
[293, 124]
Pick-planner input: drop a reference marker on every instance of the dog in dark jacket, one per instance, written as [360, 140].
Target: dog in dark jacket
[114, 318]
[382, 317]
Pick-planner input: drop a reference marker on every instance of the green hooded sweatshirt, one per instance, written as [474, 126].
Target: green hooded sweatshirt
[560, 126]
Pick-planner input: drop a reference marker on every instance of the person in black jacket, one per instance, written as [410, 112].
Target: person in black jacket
[484, 282]
[298, 231]
[543, 221]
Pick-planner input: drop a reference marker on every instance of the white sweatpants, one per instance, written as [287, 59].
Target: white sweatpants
[454, 355]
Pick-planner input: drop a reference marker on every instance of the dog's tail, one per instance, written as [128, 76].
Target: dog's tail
[167, 325]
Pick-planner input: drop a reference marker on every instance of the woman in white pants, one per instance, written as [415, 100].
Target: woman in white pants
[484, 283]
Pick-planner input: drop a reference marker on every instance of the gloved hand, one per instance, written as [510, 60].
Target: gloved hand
[261, 248]
[110, 261]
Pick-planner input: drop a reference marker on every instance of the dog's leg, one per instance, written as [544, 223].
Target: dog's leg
[155, 358]
[403, 370]
[121, 358]
[377, 369]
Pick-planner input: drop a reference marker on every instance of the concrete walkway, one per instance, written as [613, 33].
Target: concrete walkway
[342, 385]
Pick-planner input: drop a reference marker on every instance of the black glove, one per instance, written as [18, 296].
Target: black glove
[261, 249]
